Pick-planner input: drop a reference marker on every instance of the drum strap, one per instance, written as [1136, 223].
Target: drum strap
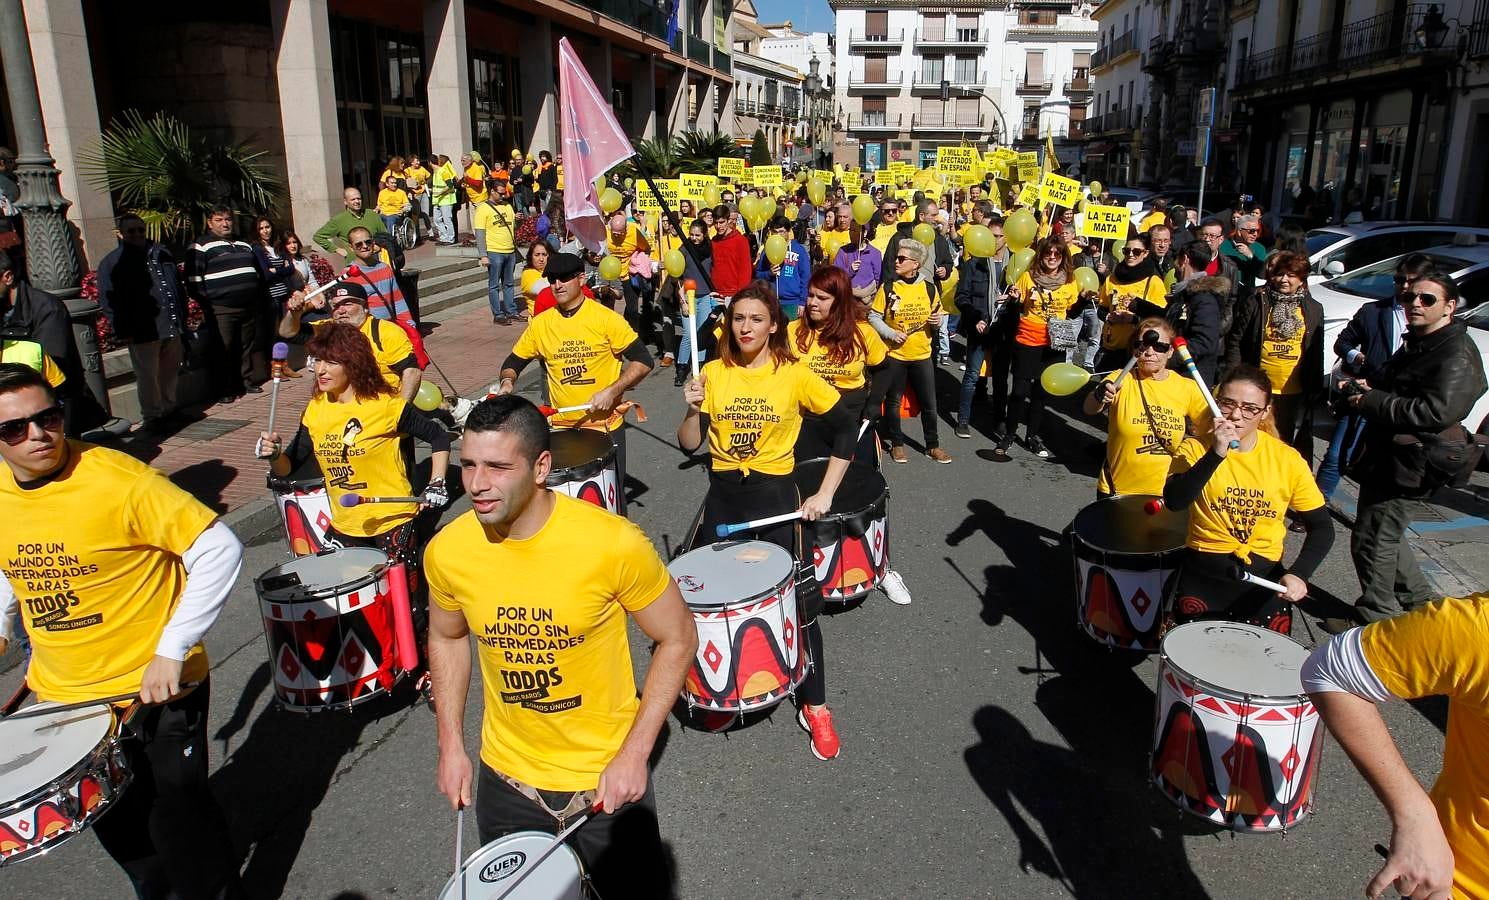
[561, 805]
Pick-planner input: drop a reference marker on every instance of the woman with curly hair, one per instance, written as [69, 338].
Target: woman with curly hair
[354, 426]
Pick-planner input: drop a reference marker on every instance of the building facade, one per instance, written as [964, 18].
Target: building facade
[329, 89]
[1114, 150]
[767, 94]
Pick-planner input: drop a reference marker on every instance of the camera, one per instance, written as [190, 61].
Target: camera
[1350, 388]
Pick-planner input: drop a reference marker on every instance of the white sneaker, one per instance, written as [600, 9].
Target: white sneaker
[894, 588]
[460, 410]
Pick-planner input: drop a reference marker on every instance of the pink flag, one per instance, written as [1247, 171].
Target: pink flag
[593, 143]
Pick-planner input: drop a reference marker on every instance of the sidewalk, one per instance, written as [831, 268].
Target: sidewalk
[213, 457]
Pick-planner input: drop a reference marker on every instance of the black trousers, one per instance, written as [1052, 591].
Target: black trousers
[238, 329]
[618, 437]
[733, 497]
[1026, 405]
[167, 831]
[816, 438]
[622, 852]
[1208, 591]
[921, 376]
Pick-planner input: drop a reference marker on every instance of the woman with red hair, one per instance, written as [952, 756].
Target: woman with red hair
[354, 427]
[835, 340]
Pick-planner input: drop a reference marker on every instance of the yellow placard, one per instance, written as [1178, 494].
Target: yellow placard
[884, 177]
[852, 183]
[1058, 190]
[746, 178]
[1106, 222]
[1029, 174]
[731, 167]
[690, 186]
[1028, 158]
[906, 195]
[1005, 156]
[766, 176]
[956, 161]
[926, 180]
[1029, 194]
[647, 202]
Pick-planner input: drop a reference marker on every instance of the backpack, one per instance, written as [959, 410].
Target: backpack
[392, 248]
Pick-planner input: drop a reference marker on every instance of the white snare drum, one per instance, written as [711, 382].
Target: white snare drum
[305, 509]
[1236, 740]
[329, 624]
[742, 595]
[490, 871]
[58, 772]
[584, 467]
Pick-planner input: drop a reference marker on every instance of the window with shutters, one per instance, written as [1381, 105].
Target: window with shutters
[966, 111]
[932, 111]
[1080, 70]
[876, 69]
[876, 25]
[933, 27]
[1034, 68]
[1031, 117]
[966, 28]
[965, 71]
[874, 110]
[932, 69]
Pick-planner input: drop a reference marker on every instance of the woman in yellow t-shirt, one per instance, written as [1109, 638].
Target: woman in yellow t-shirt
[834, 234]
[354, 426]
[1146, 415]
[747, 405]
[910, 311]
[834, 339]
[1134, 290]
[1046, 292]
[1239, 484]
[1281, 331]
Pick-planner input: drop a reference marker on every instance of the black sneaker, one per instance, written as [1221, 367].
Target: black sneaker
[681, 377]
[253, 389]
[1035, 446]
[962, 431]
[998, 434]
[1000, 452]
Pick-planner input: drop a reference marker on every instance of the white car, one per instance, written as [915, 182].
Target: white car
[1469, 267]
[1335, 250]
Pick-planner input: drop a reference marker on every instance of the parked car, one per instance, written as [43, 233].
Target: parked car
[1335, 250]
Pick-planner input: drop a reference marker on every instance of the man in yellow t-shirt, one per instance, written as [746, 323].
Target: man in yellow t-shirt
[499, 223]
[116, 574]
[582, 345]
[1439, 840]
[391, 347]
[909, 309]
[562, 731]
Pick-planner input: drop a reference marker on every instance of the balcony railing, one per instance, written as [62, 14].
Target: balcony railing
[700, 50]
[1114, 120]
[1029, 133]
[955, 38]
[876, 122]
[649, 16]
[890, 81]
[722, 61]
[1025, 86]
[891, 40]
[1077, 130]
[1075, 86]
[1478, 31]
[946, 123]
[1390, 35]
[924, 84]
[1160, 50]
[1124, 43]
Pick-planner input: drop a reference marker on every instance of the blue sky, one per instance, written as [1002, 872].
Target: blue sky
[806, 15]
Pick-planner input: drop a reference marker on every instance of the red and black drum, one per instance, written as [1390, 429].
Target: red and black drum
[1127, 552]
[306, 511]
[850, 545]
[584, 467]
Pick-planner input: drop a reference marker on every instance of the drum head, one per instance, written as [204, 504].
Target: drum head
[576, 446]
[1121, 525]
[1239, 658]
[862, 486]
[490, 871]
[325, 571]
[37, 750]
[730, 572]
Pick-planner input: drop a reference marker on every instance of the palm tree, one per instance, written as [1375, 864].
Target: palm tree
[171, 178]
[699, 152]
[658, 158]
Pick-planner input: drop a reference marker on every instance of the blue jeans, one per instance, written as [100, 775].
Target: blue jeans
[705, 304]
[444, 222]
[1347, 433]
[976, 353]
[499, 283]
[1089, 342]
[389, 222]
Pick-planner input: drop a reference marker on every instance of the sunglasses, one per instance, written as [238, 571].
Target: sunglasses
[14, 431]
[913, 259]
[1427, 300]
[1154, 343]
[1248, 410]
[363, 245]
[1128, 251]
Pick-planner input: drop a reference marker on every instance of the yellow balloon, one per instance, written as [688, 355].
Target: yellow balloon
[863, 209]
[610, 200]
[675, 263]
[1063, 379]
[1086, 279]
[711, 195]
[775, 249]
[748, 204]
[816, 192]
[768, 209]
[757, 221]
[802, 176]
[610, 268]
[1020, 229]
[924, 233]
[429, 396]
[1096, 187]
[630, 182]
[1018, 263]
[980, 241]
[791, 212]
[832, 242]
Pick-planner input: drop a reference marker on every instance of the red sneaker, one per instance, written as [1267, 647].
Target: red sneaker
[817, 722]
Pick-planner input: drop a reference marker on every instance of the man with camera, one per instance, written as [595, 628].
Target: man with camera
[1414, 443]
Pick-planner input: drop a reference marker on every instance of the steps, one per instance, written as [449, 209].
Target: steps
[445, 282]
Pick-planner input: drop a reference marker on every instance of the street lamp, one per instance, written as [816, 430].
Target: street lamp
[815, 91]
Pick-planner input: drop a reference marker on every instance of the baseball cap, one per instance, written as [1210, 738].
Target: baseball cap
[348, 291]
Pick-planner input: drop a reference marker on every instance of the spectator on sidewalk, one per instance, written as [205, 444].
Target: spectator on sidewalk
[385, 297]
[547, 177]
[223, 275]
[335, 235]
[1425, 388]
[1244, 249]
[33, 315]
[498, 223]
[140, 293]
[473, 178]
[392, 203]
[347, 303]
[444, 188]
[1194, 308]
[279, 272]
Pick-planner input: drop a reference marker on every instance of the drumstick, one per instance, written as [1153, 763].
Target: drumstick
[350, 500]
[538, 860]
[623, 407]
[1182, 346]
[348, 272]
[1153, 507]
[280, 354]
[862, 428]
[690, 287]
[40, 709]
[724, 531]
[459, 844]
[1259, 581]
[1117, 382]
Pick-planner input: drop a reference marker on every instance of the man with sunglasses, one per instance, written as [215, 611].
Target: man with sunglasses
[27, 314]
[1244, 249]
[1425, 388]
[115, 574]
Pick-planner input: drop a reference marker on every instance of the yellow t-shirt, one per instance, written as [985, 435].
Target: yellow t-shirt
[390, 345]
[357, 446]
[1243, 508]
[1039, 307]
[909, 313]
[417, 177]
[1138, 455]
[500, 222]
[391, 201]
[847, 376]
[880, 241]
[581, 354]
[94, 559]
[1443, 648]
[31, 354]
[628, 243]
[754, 415]
[476, 194]
[551, 636]
[824, 238]
[1280, 357]
[1156, 217]
[1121, 298]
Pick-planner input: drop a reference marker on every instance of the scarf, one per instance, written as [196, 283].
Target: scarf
[1127, 273]
[1049, 282]
[1283, 317]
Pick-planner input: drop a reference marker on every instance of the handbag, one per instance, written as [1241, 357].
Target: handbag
[1064, 333]
[1430, 461]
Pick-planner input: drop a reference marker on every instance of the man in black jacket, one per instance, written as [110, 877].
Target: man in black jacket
[140, 293]
[1194, 308]
[222, 274]
[34, 315]
[1428, 385]
[989, 336]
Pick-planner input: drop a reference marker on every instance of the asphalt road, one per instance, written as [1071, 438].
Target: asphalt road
[989, 748]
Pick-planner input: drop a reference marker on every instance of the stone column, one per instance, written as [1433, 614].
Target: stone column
[643, 115]
[60, 73]
[677, 101]
[307, 110]
[540, 88]
[447, 91]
